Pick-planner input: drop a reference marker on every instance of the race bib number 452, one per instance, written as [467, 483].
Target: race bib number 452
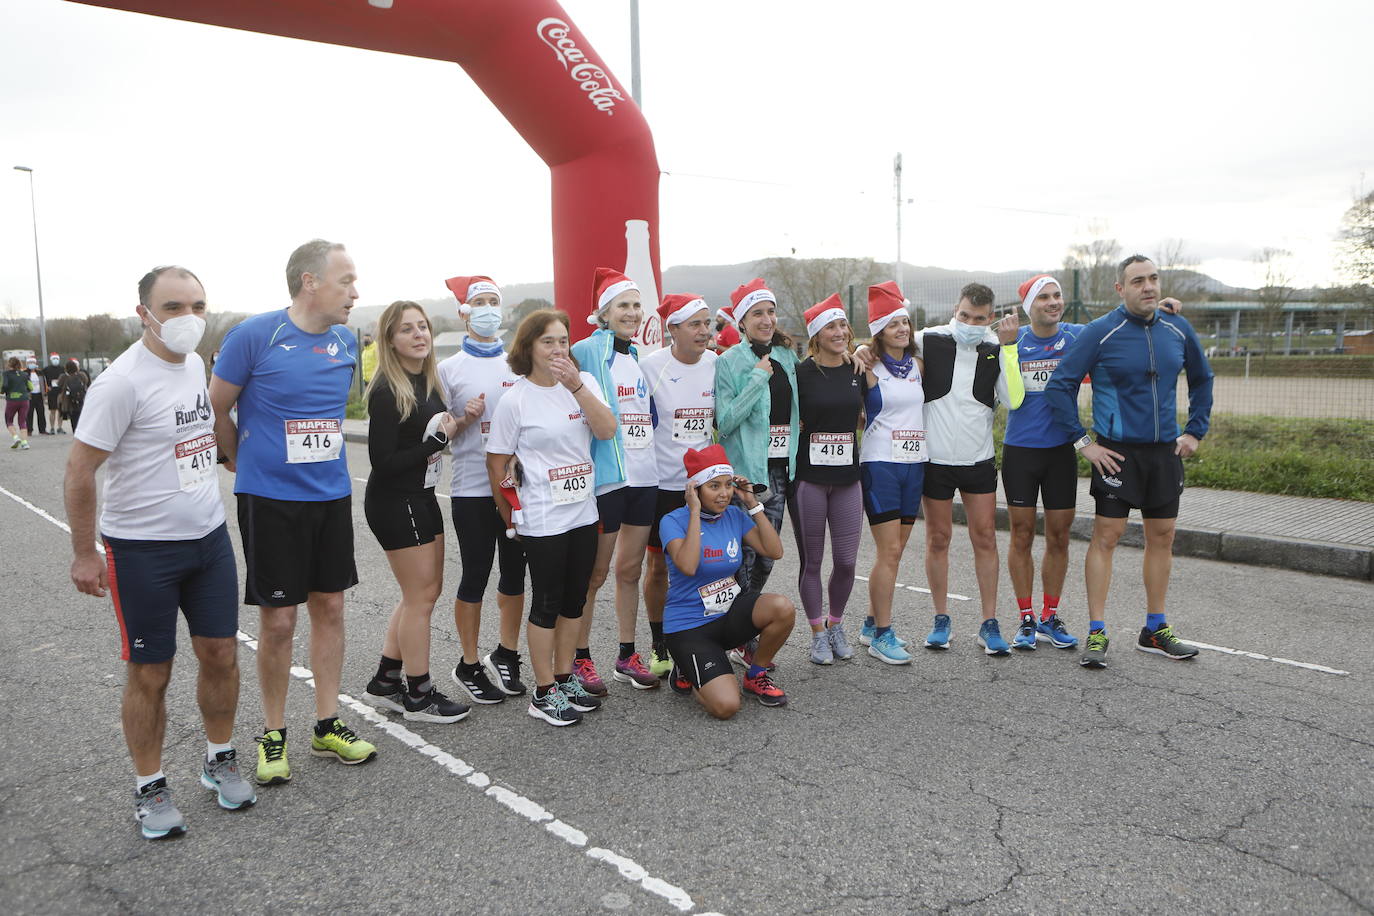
[571, 483]
[308, 441]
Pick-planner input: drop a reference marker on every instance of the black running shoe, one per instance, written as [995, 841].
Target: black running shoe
[433, 707]
[476, 684]
[504, 673]
[554, 708]
[1163, 642]
[681, 686]
[578, 696]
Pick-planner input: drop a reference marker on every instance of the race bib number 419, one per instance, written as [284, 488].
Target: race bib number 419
[308, 441]
[195, 460]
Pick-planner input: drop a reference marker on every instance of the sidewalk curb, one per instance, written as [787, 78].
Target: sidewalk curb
[1320, 558]
[1317, 557]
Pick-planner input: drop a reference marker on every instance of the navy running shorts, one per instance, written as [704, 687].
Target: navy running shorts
[892, 489]
[151, 580]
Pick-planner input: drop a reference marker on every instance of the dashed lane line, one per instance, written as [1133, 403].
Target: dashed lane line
[627, 868]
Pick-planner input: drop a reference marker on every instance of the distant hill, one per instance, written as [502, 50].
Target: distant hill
[925, 286]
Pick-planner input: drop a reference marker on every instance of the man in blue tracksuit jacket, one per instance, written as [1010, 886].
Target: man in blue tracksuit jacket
[1134, 355]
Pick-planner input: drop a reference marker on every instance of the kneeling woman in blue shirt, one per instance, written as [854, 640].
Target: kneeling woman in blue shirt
[707, 612]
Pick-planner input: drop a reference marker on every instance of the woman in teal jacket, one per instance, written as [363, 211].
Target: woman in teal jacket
[626, 475]
[756, 409]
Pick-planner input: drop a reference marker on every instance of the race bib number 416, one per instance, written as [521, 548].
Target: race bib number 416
[308, 441]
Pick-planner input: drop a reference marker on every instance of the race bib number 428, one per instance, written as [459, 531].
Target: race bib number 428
[308, 441]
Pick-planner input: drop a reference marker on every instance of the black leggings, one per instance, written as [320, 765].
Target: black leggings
[481, 536]
[560, 571]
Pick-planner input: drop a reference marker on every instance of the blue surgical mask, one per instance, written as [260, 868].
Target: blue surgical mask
[485, 320]
[968, 334]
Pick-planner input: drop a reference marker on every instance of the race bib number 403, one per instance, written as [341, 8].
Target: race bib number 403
[308, 441]
[571, 483]
[195, 460]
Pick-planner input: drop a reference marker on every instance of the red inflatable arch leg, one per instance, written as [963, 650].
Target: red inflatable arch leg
[543, 75]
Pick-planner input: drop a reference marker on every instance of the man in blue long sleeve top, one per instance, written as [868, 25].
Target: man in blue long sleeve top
[1134, 354]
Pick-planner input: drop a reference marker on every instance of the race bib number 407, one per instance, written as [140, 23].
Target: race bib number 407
[1035, 373]
[571, 483]
[308, 441]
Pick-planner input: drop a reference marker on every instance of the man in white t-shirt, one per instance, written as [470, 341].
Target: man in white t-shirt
[682, 395]
[148, 421]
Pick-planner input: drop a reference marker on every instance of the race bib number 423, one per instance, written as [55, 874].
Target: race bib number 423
[308, 441]
[195, 460]
[571, 483]
[692, 424]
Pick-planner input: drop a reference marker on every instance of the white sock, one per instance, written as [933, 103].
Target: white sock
[211, 749]
[144, 780]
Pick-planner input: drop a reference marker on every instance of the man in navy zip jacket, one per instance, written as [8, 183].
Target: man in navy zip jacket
[1134, 355]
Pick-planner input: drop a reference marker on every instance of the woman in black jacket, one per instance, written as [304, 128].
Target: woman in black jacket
[408, 429]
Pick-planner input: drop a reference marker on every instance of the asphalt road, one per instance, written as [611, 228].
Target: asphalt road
[1227, 784]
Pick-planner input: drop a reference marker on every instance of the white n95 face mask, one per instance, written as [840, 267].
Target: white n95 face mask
[485, 320]
[968, 334]
[181, 334]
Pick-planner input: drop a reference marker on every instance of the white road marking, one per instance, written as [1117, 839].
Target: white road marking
[628, 868]
[1264, 658]
[917, 588]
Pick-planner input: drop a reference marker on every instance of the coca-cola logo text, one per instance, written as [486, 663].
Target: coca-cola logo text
[590, 78]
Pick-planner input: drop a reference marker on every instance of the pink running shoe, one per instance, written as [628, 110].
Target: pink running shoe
[633, 672]
[585, 672]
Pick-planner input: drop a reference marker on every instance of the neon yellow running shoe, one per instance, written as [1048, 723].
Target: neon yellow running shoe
[659, 662]
[272, 766]
[340, 742]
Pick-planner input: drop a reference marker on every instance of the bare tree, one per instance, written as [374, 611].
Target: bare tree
[1356, 240]
[800, 283]
[1178, 271]
[1276, 290]
[1096, 259]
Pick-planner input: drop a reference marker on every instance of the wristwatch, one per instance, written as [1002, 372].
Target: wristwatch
[1083, 443]
[757, 508]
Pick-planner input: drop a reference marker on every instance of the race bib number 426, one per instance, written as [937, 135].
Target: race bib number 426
[637, 429]
[571, 483]
[308, 441]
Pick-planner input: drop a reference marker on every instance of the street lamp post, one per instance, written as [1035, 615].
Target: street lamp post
[38, 269]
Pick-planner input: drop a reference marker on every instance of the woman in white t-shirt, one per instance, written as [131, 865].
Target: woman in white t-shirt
[546, 423]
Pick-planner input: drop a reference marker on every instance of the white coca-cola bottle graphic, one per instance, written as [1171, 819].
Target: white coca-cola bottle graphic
[639, 267]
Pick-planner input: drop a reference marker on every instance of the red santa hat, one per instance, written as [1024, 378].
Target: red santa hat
[607, 283]
[885, 302]
[1032, 287]
[822, 313]
[678, 307]
[468, 288]
[726, 338]
[726, 315]
[747, 296]
[707, 463]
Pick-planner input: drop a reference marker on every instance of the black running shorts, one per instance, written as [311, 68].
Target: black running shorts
[665, 501]
[292, 548]
[401, 520]
[1051, 474]
[1150, 479]
[701, 652]
[625, 506]
[943, 479]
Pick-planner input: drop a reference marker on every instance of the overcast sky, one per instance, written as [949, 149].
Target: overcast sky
[1021, 125]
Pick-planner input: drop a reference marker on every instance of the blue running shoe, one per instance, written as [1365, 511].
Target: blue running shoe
[869, 632]
[1054, 631]
[886, 648]
[990, 638]
[1025, 635]
[939, 634]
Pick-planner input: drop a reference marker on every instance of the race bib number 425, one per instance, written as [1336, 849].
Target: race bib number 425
[717, 597]
[308, 441]
[571, 483]
[195, 460]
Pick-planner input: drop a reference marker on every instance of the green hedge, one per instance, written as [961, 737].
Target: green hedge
[1274, 366]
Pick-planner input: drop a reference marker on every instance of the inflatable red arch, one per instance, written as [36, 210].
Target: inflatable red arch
[542, 74]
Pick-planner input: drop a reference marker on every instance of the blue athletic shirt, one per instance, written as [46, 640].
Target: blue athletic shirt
[294, 385]
[1032, 424]
[722, 543]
